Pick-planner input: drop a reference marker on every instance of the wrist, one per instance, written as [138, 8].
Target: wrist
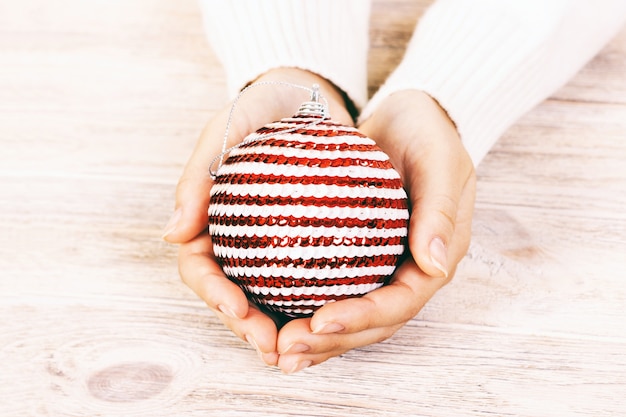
[402, 108]
[412, 127]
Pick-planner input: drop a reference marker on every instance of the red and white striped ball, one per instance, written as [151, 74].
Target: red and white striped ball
[304, 218]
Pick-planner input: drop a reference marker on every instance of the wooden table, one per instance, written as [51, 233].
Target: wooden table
[100, 105]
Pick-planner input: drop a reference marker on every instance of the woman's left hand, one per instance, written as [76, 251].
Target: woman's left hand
[438, 174]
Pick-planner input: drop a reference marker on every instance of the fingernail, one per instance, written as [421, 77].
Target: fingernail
[297, 367]
[172, 223]
[253, 343]
[296, 348]
[326, 328]
[227, 310]
[439, 255]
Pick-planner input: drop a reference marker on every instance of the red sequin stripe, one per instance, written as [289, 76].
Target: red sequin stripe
[254, 242]
[392, 183]
[316, 263]
[267, 299]
[293, 221]
[308, 162]
[284, 143]
[280, 282]
[229, 199]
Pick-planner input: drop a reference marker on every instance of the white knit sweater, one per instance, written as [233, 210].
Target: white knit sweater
[487, 62]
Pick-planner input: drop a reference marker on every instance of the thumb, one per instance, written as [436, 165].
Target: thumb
[190, 215]
[435, 191]
[431, 229]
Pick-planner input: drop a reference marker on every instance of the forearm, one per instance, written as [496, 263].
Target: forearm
[250, 37]
[488, 62]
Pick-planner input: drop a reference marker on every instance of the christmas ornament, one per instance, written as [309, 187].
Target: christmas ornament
[307, 211]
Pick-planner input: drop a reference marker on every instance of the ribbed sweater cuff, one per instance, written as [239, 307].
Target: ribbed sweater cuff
[487, 62]
[250, 37]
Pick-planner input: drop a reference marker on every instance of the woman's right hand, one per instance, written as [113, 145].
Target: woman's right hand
[197, 264]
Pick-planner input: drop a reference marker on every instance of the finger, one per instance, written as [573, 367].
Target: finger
[460, 241]
[388, 306]
[203, 275]
[362, 321]
[199, 270]
[193, 189]
[436, 181]
[258, 330]
[319, 348]
[296, 337]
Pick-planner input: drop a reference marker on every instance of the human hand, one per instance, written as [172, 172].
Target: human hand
[438, 174]
[197, 264]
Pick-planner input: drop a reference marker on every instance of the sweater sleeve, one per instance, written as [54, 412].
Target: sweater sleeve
[487, 62]
[251, 37]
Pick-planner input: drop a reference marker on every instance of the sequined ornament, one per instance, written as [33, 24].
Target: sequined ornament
[307, 211]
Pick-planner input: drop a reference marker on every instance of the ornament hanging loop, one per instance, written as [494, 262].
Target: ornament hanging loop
[312, 108]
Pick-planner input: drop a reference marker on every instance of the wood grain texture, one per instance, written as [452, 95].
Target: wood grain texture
[100, 105]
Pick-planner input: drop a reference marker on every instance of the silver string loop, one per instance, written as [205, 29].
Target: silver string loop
[312, 108]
